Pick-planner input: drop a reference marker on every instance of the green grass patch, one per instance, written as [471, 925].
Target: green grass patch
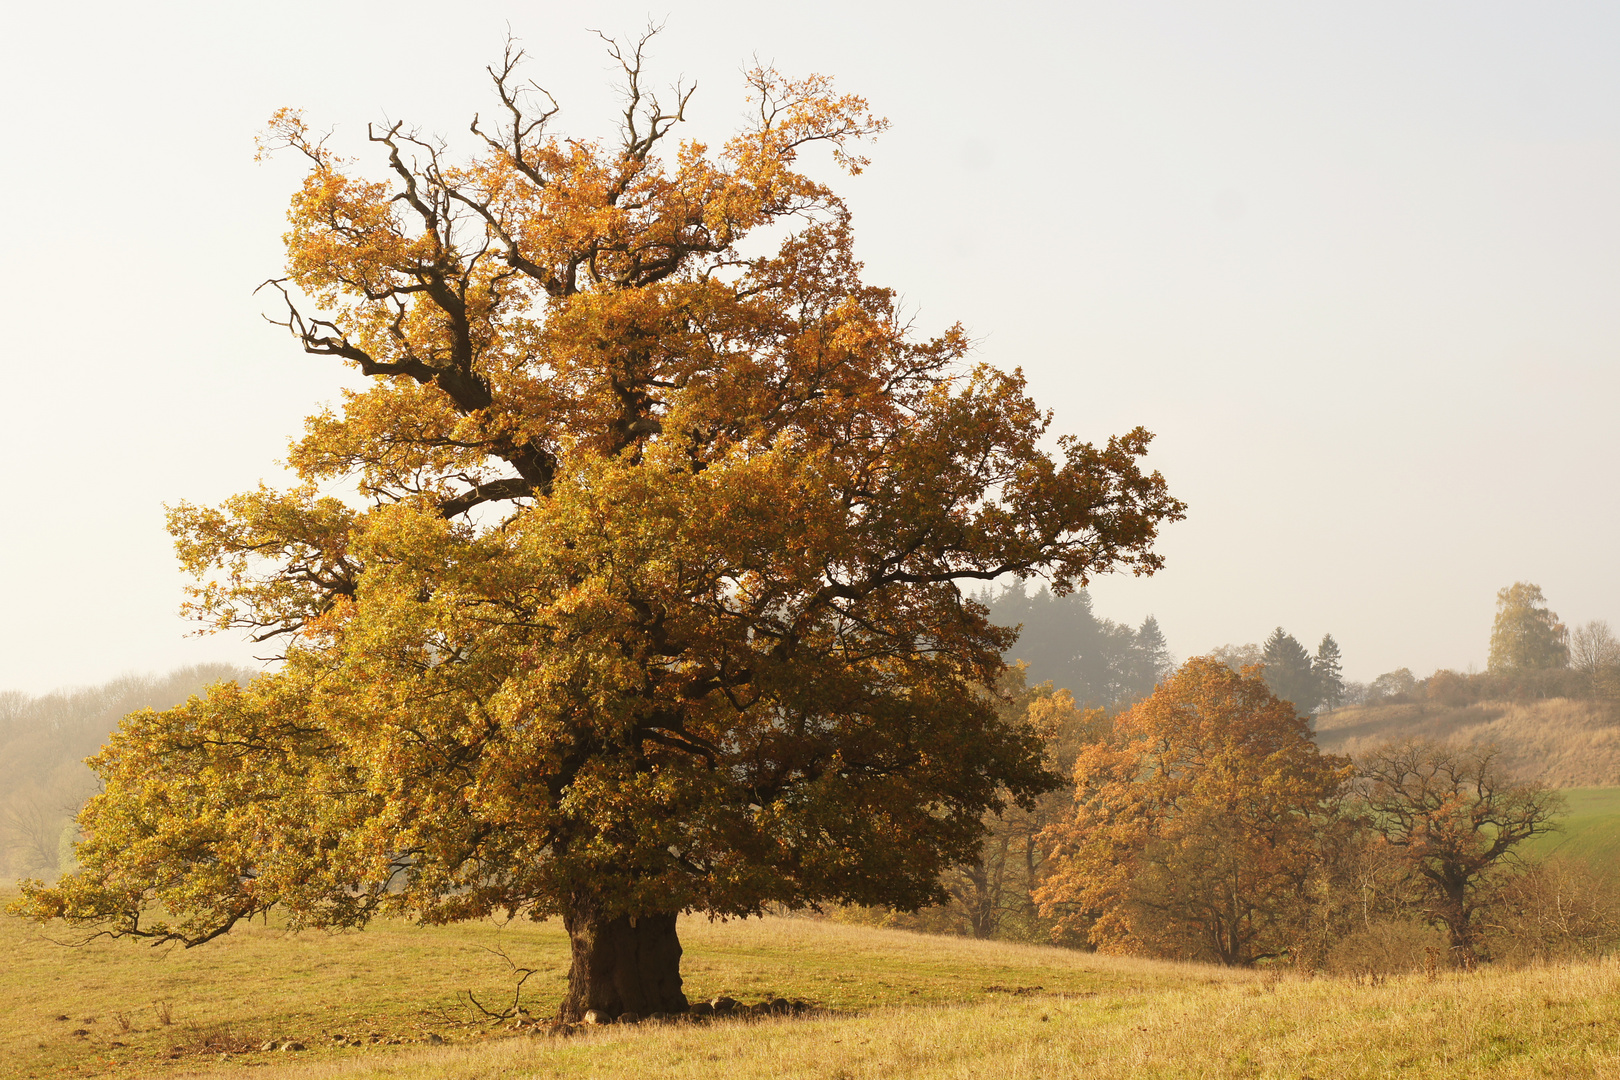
[1590, 831]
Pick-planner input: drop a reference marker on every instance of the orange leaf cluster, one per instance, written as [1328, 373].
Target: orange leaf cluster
[1197, 824]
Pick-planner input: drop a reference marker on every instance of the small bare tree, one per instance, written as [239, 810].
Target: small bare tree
[1557, 909]
[29, 832]
[1595, 653]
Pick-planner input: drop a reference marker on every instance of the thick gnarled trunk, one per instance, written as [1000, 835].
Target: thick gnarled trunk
[622, 965]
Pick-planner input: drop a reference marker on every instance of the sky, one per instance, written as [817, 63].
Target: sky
[1356, 265]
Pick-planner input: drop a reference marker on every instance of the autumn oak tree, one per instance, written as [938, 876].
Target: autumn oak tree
[645, 595]
[1453, 819]
[1197, 823]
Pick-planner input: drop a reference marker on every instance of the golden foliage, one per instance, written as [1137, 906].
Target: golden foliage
[646, 599]
[1197, 823]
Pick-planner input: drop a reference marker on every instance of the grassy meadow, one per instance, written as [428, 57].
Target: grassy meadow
[892, 1004]
[1590, 831]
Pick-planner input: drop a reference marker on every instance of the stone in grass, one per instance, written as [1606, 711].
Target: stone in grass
[435, 1039]
[700, 1008]
[780, 1006]
[724, 1004]
[629, 1018]
[292, 1047]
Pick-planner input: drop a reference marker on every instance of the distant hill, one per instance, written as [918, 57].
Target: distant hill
[1562, 742]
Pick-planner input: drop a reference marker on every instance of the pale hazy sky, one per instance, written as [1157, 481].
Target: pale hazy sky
[1357, 265]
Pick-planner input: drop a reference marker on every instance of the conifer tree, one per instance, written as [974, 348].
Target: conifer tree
[1150, 660]
[1288, 671]
[1329, 673]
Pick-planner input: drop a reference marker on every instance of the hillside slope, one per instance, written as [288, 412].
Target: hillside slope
[1561, 742]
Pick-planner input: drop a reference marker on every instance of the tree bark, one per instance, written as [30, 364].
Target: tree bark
[622, 965]
[1456, 917]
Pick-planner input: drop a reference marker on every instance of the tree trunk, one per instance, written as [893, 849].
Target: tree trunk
[622, 965]
[1460, 928]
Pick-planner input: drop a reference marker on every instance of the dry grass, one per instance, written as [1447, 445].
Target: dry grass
[1547, 1023]
[1559, 741]
[899, 1005]
[396, 985]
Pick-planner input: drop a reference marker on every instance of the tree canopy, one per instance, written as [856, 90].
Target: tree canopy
[1196, 823]
[631, 585]
[1455, 820]
[1526, 635]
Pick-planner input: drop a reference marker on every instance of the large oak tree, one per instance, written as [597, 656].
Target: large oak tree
[632, 585]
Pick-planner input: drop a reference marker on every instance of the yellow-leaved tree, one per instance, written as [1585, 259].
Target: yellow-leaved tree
[1197, 823]
[647, 600]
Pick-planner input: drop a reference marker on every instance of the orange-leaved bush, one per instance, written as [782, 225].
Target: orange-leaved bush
[646, 597]
[1197, 823]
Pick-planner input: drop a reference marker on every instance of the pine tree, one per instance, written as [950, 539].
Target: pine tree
[1150, 659]
[1288, 671]
[1099, 661]
[1329, 676]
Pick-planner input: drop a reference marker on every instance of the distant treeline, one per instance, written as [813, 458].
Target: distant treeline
[1358, 886]
[1109, 664]
[1201, 823]
[1099, 661]
[1532, 655]
[43, 743]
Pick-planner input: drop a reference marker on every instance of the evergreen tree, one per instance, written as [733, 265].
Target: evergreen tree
[1150, 660]
[1329, 676]
[1099, 661]
[1288, 671]
[1059, 638]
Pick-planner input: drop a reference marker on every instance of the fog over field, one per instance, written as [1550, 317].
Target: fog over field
[1354, 265]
